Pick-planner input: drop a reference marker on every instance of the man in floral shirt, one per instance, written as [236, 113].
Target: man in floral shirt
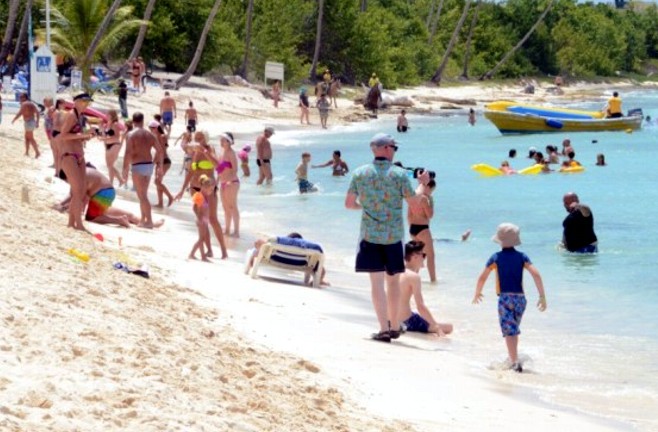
[378, 189]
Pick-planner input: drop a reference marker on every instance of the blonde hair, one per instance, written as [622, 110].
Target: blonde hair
[204, 180]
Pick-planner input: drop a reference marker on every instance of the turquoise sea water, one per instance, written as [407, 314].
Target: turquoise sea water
[599, 337]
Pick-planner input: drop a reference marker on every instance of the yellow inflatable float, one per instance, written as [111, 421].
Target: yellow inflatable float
[572, 170]
[491, 171]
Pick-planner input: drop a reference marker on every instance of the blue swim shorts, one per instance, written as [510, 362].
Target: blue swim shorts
[306, 186]
[143, 169]
[510, 312]
[167, 117]
[373, 257]
[416, 323]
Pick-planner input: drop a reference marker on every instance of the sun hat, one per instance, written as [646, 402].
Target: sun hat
[153, 124]
[507, 235]
[381, 140]
[83, 96]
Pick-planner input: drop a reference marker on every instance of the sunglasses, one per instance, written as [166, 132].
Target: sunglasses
[393, 146]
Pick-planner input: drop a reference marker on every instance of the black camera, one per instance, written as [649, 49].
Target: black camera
[419, 171]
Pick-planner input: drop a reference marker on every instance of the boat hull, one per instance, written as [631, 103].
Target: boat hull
[513, 123]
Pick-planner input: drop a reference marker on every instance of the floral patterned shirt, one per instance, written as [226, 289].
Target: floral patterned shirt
[381, 187]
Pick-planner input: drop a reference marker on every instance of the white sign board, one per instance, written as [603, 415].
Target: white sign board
[43, 75]
[274, 71]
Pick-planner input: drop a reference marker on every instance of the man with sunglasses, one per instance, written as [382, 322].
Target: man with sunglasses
[410, 286]
[379, 189]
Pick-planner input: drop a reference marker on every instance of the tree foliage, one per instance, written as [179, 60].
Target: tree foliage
[389, 37]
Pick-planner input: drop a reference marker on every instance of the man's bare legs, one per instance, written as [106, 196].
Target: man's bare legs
[141, 184]
[30, 141]
[267, 172]
[386, 299]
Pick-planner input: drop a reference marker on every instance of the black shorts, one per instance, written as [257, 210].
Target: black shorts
[374, 257]
[259, 162]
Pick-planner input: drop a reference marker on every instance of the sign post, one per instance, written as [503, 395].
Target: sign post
[43, 75]
[274, 71]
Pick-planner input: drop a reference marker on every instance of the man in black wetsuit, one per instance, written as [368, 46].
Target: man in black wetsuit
[578, 226]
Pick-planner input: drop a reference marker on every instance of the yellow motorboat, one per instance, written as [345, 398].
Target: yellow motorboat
[512, 123]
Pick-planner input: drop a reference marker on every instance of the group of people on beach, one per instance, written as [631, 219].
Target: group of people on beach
[378, 190]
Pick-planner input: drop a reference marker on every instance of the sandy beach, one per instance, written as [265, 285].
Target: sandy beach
[203, 347]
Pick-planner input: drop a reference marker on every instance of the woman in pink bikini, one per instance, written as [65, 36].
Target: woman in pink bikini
[227, 170]
[69, 144]
[204, 162]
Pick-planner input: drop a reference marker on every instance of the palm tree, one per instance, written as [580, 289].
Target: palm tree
[199, 48]
[77, 24]
[244, 68]
[318, 41]
[9, 30]
[101, 31]
[435, 22]
[146, 20]
[467, 54]
[511, 52]
[453, 40]
[22, 35]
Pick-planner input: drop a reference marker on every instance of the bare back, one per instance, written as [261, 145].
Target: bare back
[263, 148]
[29, 111]
[140, 143]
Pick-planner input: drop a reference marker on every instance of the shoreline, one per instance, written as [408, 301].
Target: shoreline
[261, 310]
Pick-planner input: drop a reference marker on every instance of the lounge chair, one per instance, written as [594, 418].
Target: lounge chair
[292, 254]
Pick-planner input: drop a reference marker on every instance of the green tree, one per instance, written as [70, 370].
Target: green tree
[12, 15]
[75, 24]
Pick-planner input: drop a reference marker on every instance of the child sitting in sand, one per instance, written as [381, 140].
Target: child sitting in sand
[305, 186]
[509, 265]
[202, 212]
[410, 286]
[243, 155]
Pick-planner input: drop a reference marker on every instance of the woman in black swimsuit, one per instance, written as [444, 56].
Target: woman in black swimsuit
[419, 224]
[112, 138]
[70, 147]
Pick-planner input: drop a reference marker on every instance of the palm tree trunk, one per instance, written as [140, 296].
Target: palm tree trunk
[455, 34]
[511, 52]
[22, 33]
[467, 54]
[244, 68]
[140, 37]
[318, 41]
[199, 48]
[435, 22]
[428, 22]
[91, 50]
[9, 31]
[364, 5]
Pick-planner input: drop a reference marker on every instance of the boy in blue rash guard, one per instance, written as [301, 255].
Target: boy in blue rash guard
[509, 264]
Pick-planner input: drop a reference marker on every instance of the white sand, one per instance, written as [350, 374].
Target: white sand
[202, 346]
